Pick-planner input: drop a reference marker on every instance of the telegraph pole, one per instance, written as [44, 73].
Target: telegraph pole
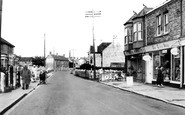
[92, 14]
[1, 5]
[44, 50]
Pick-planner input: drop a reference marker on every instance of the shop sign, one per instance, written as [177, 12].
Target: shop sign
[175, 51]
[161, 46]
[147, 57]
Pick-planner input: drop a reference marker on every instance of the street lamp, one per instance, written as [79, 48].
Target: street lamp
[92, 14]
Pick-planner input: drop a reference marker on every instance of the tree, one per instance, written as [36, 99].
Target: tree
[40, 61]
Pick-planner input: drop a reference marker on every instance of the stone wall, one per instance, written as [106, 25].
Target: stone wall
[174, 13]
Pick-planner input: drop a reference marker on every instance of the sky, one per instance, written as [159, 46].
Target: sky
[24, 23]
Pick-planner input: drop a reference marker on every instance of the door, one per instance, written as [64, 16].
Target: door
[149, 71]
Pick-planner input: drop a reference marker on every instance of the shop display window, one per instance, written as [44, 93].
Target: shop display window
[175, 68]
[156, 63]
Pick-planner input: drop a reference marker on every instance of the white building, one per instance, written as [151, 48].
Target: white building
[113, 54]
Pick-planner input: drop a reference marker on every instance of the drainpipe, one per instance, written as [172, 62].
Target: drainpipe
[181, 51]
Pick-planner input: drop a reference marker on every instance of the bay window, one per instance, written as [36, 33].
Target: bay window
[137, 31]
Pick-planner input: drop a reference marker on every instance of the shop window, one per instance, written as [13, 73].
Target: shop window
[156, 63]
[175, 68]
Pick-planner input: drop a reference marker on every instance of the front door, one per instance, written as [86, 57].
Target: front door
[149, 71]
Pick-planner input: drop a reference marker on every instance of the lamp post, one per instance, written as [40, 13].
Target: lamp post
[92, 14]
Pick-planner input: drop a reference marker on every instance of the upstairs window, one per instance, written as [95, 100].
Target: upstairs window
[128, 35]
[159, 25]
[166, 22]
[138, 31]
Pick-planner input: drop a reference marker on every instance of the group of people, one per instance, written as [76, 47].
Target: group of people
[28, 75]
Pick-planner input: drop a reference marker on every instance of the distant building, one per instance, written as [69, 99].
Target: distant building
[98, 54]
[25, 61]
[113, 55]
[56, 62]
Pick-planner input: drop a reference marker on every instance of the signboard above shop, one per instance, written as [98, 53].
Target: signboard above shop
[162, 46]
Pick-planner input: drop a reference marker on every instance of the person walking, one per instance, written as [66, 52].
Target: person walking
[26, 77]
[160, 77]
[18, 76]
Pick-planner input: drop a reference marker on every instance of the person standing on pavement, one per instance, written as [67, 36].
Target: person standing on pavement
[11, 75]
[18, 76]
[160, 77]
[26, 77]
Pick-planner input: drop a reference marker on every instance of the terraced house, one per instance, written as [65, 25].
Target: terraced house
[159, 39]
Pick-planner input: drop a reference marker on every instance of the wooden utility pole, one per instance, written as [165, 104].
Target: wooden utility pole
[1, 5]
[92, 14]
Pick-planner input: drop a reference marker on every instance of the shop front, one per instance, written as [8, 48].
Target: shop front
[169, 56]
[135, 64]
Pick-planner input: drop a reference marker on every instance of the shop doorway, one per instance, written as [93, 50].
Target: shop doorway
[165, 62]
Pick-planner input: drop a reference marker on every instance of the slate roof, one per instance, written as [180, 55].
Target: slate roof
[25, 59]
[130, 20]
[58, 57]
[143, 12]
[102, 46]
[6, 42]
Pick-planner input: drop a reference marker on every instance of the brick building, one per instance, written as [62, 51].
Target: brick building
[164, 40]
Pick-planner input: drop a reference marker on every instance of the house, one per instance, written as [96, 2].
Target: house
[97, 57]
[113, 55]
[98, 54]
[165, 41]
[163, 36]
[134, 43]
[56, 62]
[7, 51]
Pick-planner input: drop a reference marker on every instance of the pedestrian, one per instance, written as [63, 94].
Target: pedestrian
[18, 76]
[11, 71]
[26, 77]
[160, 76]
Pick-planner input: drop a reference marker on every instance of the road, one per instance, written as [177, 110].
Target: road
[66, 94]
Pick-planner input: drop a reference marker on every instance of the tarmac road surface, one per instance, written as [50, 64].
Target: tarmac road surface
[66, 94]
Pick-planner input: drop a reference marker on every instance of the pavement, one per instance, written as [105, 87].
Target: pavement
[9, 99]
[166, 94]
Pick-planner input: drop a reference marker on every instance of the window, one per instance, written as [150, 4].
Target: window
[166, 22]
[137, 31]
[128, 35]
[159, 25]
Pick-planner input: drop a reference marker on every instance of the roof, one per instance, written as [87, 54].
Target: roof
[143, 12]
[25, 58]
[102, 46]
[58, 57]
[130, 20]
[6, 42]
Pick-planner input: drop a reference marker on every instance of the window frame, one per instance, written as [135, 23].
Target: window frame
[166, 22]
[136, 31]
[128, 35]
[159, 25]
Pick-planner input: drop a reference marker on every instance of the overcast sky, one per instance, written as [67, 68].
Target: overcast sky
[24, 23]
